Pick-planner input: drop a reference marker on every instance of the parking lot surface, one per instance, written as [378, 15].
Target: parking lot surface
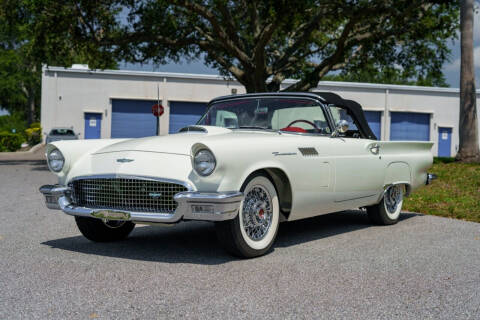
[332, 266]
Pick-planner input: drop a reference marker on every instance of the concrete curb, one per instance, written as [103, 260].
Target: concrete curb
[32, 150]
[35, 153]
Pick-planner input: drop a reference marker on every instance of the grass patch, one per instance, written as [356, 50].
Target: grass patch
[455, 193]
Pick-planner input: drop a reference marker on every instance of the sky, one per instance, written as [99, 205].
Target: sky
[451, 69]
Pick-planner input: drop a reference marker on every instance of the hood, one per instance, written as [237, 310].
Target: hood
[178, 143]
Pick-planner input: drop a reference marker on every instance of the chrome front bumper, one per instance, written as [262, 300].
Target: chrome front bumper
[192, 205]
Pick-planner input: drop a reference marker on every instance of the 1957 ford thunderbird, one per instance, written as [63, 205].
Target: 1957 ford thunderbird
[251, 162]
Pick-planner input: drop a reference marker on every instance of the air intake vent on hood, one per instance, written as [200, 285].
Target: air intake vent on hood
[195, 129]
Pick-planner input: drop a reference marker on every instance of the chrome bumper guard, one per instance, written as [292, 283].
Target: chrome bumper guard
[430, 178]
[192, 205]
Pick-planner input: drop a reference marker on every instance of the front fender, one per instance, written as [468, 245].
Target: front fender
[74, 150]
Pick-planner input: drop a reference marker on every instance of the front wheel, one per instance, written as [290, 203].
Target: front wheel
[388, 210]
[254, 230]
[99, 230]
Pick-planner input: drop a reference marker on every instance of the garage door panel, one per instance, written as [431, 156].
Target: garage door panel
[183, 114]
[373, 119]
[132, 118]
[410, 126]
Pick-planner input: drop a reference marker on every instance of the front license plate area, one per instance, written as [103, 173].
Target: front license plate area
[111, 215]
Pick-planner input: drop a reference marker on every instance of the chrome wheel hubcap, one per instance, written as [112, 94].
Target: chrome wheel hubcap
[257, 213]
[393, 196]
[113, 223]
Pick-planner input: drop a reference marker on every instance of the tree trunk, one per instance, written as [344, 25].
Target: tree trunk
[468, 127]
[31, 108]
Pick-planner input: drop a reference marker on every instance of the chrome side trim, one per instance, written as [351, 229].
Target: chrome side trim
[357, 198]
[276, 153]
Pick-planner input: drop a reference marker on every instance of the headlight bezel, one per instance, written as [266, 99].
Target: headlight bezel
[59, 157]
[206, 153]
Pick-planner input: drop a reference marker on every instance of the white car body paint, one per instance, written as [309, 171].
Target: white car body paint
[345, 174]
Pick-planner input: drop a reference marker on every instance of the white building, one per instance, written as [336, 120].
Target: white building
[117, 103]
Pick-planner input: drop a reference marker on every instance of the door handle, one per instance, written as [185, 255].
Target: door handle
[375, 149]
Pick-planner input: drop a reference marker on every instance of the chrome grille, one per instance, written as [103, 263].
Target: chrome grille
[134, 195]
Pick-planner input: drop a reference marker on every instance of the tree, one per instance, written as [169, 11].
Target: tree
[261, 43]
[19, 75]
[23, 50]
[370, 73]
[468, 127]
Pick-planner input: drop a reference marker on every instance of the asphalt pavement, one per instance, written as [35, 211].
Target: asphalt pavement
[333, 266]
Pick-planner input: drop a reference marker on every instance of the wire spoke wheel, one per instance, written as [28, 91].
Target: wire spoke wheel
[257, 213]
[393, 197]
[253, 232]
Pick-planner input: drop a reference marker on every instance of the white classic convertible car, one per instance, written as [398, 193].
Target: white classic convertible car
[251, 162]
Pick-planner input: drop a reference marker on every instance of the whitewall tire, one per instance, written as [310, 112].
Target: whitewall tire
[253, 231]
[388, 210]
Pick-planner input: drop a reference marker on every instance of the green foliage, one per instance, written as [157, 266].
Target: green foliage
[10, 141]
[261, 43]
[34, 134]
[24, 48]
[387, 75]
[13, 123]
[437, 160]
[455, 193]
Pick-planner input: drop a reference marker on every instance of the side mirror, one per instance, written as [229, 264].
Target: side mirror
[342, 127]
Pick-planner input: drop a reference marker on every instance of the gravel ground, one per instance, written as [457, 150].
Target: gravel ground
[333, 266]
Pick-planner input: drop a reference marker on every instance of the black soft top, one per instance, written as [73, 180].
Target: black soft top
[353, 108]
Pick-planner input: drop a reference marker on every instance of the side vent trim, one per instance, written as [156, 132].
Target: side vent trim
[308, 152]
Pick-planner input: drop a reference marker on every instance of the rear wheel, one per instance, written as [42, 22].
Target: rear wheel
[99, 230]
[253, 231]
[388, 210]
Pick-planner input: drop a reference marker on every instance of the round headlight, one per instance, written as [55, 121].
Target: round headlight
[55, 160]
[204, 162]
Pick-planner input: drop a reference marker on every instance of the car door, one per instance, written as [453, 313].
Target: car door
[359, 167]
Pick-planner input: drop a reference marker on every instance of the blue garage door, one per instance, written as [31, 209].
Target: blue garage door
[444, 141]
[410, 126]
[93, 125]
[373, 119]
[133, 118]
[183, 114]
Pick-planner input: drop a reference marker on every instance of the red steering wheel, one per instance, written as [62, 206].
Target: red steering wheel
[298, 129]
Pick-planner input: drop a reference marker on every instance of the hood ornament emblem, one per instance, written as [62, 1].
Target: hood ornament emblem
[123, 160]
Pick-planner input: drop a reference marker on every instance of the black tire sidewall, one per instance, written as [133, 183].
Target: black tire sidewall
[95, 230]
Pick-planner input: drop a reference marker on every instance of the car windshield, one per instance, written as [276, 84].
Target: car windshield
[285, 113]
[62, 132]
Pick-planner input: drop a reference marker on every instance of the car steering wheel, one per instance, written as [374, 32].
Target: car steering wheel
[305, 121]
